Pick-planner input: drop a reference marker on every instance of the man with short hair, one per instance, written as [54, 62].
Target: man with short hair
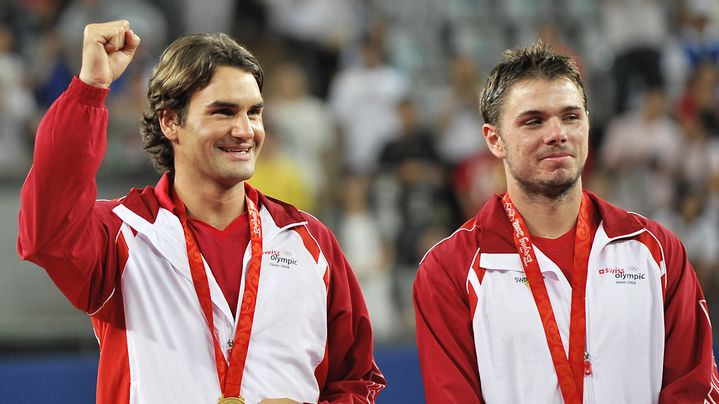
[201, 289]
[550, 294]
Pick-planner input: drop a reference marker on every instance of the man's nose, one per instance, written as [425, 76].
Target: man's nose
[242, 127]
[556, 132]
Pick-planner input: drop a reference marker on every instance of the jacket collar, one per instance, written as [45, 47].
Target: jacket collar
[283, 214]
[141, 209]
[495, 231]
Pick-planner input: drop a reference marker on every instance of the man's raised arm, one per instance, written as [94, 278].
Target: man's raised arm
[58, 222]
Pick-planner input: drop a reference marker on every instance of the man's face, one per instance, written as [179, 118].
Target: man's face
[542, 136]
[223, 132]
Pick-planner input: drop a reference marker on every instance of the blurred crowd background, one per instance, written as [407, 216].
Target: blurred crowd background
[373, 122]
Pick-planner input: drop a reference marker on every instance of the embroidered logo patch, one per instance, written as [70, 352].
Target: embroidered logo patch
[629, 275]
[522, 280]
[281, 259]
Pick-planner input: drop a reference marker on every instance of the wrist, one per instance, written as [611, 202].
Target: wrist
[85, 78]
[86, 93]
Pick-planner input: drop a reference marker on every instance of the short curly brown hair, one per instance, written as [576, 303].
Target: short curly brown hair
[536, 61]
[185, 67]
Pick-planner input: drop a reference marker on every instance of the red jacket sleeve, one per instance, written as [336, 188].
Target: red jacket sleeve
[61, 228]
[447, 355]
[690, 373]
[348, 374]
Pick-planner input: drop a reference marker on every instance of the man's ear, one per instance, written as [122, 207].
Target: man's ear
[169, 123]
[494, 141]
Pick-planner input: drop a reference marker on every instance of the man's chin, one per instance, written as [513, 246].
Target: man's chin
[552, 189]
[231, 179]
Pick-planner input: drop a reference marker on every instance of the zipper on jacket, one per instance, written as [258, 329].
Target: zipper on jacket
[588, 383]
[588, 371]
[587, 365]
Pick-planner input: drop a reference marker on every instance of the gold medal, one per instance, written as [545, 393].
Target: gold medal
[231, 400]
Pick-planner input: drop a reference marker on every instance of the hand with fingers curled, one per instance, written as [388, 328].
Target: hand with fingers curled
[107, 50]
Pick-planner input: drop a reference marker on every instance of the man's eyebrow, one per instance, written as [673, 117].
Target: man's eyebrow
[228, 104]
[531, 112]
[571, 108]
[223, 104]
[535, 112]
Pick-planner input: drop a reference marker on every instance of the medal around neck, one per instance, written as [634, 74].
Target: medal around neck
[230, 371]
[231, 400]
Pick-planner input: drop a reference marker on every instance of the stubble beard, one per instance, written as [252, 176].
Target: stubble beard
[553, 189]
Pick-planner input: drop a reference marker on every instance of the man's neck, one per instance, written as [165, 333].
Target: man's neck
[210, 203]
[548, 217]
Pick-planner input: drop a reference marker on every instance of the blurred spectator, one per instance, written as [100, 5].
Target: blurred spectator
[364, 98]
[125, 154]
[208, 15]
[367, 254]
[412, 32]
[424, 205]
[475, 179]
[459, 122]
[50, 71]
[414, 144]
[315, 31]
[549, 33]
[17, 107]
[636, 31]
[305, 126]
[698, 115]
[640, 155]
[700, 157]
[32, 19]
[696, 42]
[699, 104]
[277, 174]
[694, 219]
[700, 34]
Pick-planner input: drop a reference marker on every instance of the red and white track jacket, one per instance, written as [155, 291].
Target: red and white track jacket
[481, 339]
[124, 262]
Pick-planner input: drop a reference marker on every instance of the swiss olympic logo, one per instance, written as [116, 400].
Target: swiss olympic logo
[281, 259]
[628, 275]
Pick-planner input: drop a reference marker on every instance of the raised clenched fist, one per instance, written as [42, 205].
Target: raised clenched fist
[107, 49]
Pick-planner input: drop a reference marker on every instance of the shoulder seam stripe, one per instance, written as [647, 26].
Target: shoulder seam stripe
[445, 239]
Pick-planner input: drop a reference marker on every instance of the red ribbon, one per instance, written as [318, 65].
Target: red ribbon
[229, 375]
[570, 371]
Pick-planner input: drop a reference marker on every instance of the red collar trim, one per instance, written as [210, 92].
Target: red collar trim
[282, 213]
[495, 231]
